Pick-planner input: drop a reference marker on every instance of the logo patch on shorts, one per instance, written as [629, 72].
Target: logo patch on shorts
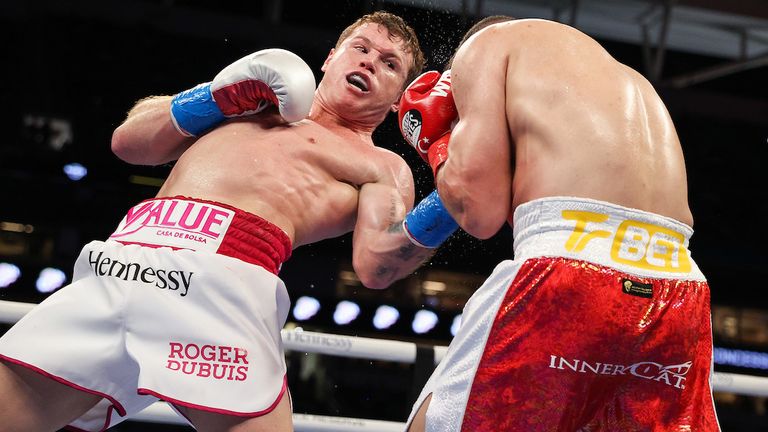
[672, 375]
[172, 280]
[219, 362]
[177, 223]
[635, 288]
[633, 243]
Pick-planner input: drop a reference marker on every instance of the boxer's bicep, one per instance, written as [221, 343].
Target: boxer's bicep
[147, 136]
[477, 177]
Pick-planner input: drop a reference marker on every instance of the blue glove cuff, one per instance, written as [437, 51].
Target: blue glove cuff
[429, 224]
[194, 111]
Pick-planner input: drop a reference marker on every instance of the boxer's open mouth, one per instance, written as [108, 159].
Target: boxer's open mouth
[358, 80]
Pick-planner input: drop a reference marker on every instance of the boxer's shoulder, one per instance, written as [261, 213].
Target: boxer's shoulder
[369, 165]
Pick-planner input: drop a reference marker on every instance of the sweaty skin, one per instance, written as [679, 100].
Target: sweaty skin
[303, 177]
[315, 179]
[546, 111]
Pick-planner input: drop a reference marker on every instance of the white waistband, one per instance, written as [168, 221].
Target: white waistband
[631, 240]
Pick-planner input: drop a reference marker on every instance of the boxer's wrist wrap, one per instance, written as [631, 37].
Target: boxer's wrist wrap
[429, 224]
[194, 111]
[438, 153]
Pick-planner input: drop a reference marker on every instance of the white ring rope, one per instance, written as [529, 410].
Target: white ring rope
[370, 348]
[352, 346]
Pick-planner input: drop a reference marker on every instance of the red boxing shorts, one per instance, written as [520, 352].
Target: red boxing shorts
[182, 303]
[601, 323]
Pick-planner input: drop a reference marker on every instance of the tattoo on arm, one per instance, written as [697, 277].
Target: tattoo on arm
[407, 252]
[383, 271]
[393, 208]
[410, 250]
[395, 228]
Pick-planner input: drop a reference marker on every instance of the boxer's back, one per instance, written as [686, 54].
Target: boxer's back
[302, 177]
[585, 125]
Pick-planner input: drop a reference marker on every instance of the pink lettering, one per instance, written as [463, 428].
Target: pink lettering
[191, 369]
[184, 223]
[231, 370]
[208, 352]
[173, 365]
[155, 213]
[192, 348]
[224, 354]
[133, 215]
[242, 373]
[212, 359]
[205, 370]
[215, 217]
[167, 219]
[197, 238]
[240, 354]
[223, 371]
[175, 349]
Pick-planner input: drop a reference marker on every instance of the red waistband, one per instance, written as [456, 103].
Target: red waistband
[190, 223]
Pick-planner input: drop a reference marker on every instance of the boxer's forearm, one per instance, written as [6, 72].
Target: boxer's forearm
[475, 182]
[147, 136]
[389, 257]
[382, 253]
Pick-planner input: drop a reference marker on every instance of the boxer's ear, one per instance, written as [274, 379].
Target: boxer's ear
[328, 59]
[396, 106]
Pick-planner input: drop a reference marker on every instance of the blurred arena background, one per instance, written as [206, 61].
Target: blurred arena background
[73, 69]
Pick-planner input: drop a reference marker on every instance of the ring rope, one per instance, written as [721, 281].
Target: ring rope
[354, 346]
[370, 348]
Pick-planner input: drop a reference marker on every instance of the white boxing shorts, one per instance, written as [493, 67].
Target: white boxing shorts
[182, 304]
[601, 323]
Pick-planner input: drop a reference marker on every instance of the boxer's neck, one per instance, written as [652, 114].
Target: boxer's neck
[326, 116]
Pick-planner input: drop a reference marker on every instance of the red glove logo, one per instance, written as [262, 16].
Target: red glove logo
[411, 129]
[427, 111]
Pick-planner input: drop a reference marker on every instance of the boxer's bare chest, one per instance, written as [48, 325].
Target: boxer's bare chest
[303, 177]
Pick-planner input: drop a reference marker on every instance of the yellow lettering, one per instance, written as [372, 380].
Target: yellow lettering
[578, 240]
[634, 245]
[651, 247]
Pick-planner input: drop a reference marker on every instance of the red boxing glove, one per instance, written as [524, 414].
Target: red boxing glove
[426, 113]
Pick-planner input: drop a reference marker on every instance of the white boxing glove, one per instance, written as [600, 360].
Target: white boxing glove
[247, 86]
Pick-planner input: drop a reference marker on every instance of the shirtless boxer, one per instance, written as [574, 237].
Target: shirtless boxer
[183, 302]
[602, 321]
